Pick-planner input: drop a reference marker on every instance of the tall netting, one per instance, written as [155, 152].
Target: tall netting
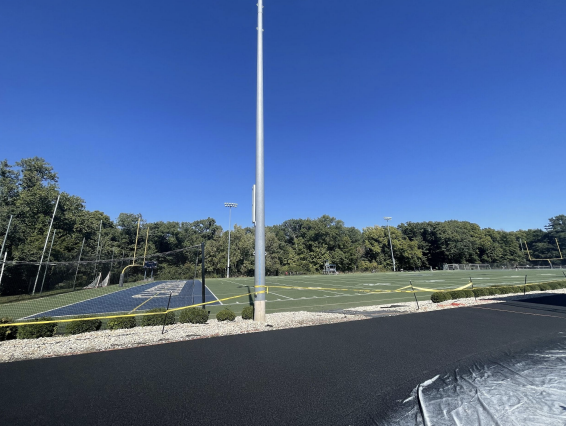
[533, 264]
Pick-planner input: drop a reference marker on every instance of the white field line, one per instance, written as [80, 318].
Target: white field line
[280, 295]
[206, 287]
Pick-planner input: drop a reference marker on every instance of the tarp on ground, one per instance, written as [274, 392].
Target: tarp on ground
[527, 389]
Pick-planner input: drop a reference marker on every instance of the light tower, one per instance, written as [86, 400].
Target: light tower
[230, 205]
[390, 244]
[259, 273]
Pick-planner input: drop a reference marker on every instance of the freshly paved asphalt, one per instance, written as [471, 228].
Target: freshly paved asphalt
[340, 374]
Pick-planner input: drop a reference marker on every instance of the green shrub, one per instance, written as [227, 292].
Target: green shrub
[480, 291]
[439, 296]
[533, 287]
[34, 331]
[492, 291]
[505, 290]
[517, 289]
[121, 323]
[9, 332]
[468, 293]
[248, 313]
[148, 320]
[562, 284]
[83, 326]
[457, 294]
[554, 286]
[193, 316]
[544, 287]
[226, 315]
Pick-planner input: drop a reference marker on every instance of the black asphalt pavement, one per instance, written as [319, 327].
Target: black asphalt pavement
[340, 374]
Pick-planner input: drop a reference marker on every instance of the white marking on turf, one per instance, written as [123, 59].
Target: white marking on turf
[165, 289]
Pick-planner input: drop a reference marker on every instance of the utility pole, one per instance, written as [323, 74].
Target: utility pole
[48, 258]
[45, 245]
[259, 273]
[390, 244]
[229, 229]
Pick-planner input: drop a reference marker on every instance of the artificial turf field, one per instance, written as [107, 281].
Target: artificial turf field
[335, 297]
[335, 292]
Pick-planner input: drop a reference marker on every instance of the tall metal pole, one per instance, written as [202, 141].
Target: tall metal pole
[78, 263]
[97, 246]
[111, 263]
[203, 277]
[390, 244]
[45, 245]
[229, 230]
[2, 272]
[145, 250]
[136, 246]
[259, 275]
[6, 236]
[48, 258]
[230, 205]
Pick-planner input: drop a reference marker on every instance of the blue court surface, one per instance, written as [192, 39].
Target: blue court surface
[138, 299]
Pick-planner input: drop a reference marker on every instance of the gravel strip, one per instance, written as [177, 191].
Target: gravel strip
[15, 350]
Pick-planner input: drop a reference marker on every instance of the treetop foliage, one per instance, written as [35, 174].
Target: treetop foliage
[29, 188]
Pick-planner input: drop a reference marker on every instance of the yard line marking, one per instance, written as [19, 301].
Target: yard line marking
[280, 295]
[217, 299]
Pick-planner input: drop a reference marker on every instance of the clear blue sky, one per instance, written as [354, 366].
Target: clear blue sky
[416, 110]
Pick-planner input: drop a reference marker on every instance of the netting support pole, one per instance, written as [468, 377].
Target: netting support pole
[121, 283]
[2, 273]
[45, 245]
[6, 236]
[203, 277]
[48, 258]
[97, 246]
[78, 264]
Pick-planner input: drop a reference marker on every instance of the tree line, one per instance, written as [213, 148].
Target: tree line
[29, 188]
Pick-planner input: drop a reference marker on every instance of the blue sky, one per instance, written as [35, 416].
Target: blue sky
[416, 110]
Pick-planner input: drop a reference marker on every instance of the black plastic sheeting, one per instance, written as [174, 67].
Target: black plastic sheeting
[524, 389]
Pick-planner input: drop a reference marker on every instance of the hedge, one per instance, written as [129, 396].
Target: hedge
[479, 292]
[121, 323]
[248, 313]
[441, 296]
[10, 332]
[34, 331]
[148, 320]
[225, 315]
[193, 316]
[83, 326]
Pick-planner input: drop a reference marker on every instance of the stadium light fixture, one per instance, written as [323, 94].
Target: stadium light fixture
[230, 205]
[387, 219]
